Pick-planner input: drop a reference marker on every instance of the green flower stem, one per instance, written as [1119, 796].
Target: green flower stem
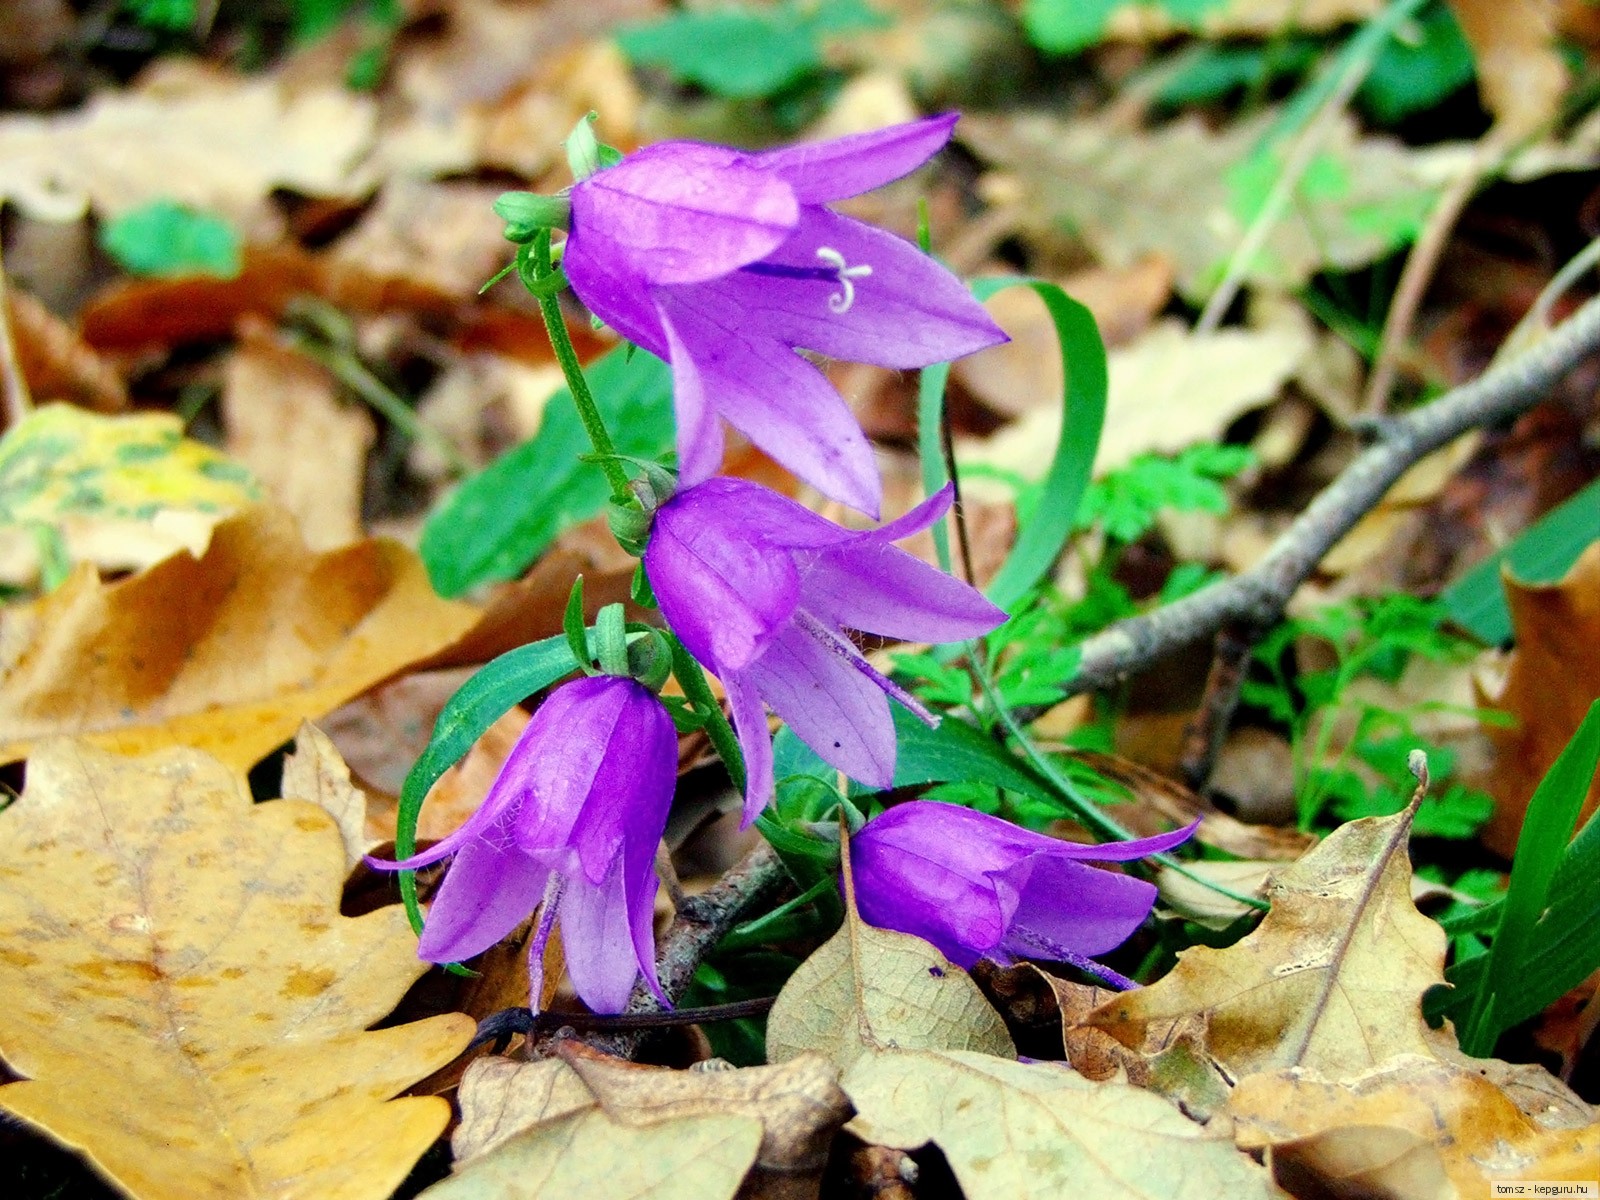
[698, 692]
[588, 411]
[1084, 809]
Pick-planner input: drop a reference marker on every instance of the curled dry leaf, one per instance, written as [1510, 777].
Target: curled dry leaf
[1015, 1131]
[182, 996]
[867, 988]
[1412, 1129]
[227, 652]
[57, 363]
[1332, 978]
[1549, 686]
[315, 772]
[1521, 74]
[512, 1111]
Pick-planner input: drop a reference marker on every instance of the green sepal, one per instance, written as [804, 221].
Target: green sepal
[572, 625]
[611, 640]
[526, 213]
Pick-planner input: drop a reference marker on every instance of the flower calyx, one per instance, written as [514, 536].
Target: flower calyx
[527, 214]
[586, 153]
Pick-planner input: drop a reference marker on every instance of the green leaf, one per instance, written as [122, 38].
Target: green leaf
[955, 751]
[1421, 65]
[171, 16]
[1067, 26]
[1542, 553]
[1506, 990]
[742, 53]
[1083, 365]
[500, 520]
[476, 705]
[164, 238]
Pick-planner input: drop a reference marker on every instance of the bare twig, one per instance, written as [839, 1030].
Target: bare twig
[1258, 597]
[1419, 270]
[1203, 737]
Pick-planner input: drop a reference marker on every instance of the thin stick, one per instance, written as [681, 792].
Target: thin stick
[1259, 596]
[1418, 272]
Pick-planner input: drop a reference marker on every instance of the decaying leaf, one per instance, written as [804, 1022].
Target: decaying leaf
[121, 492]
[227, 652]
[1521, 74]
[1362, 196]
[1237, 18]
[1549, 686]
[182, 997]
[866, 987]
[56, 362]
[1332, 978]
[1412, 1129]
[215, 142]
[1013, 1131]
[516, 1116]
[285, 421]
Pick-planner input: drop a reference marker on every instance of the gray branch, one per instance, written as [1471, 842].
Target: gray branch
[1257, 597]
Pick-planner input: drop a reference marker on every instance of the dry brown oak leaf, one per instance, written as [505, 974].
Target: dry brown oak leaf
[1553, 678]
[227, 652]
[186, 1004]
[1331, 980]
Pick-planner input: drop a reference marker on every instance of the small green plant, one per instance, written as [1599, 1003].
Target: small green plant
[1350, 753]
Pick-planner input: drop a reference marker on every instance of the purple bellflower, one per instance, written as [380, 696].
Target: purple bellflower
[723, 263]
[759, 588]
[573, 818]
[980, 887]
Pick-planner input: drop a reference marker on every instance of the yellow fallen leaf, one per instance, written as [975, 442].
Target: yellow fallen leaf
[121, 492]
[1413, 1129]
[185, 1001]
[227, 652]
[1332, 978]
[1019, 1131]
[866, 987]
[315, 772]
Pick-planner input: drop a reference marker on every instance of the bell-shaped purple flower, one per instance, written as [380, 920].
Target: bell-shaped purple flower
[980, 887]
[759, 589]
[724, 263]
[583, 799]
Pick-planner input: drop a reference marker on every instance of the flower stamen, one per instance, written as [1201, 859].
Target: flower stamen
[841, 301]
[847, 651]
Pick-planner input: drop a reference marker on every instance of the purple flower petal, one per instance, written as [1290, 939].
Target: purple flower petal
[1058, 902]
[682, 212]
[848, 166]
[724, 596]
[767, 391]
[832, 707]
[919, 891]
[1124, 851]
[755, 741]
[594, 927]
[878, 588]
[639, 880]
[906, 311]
[490, 889]
[621, 300]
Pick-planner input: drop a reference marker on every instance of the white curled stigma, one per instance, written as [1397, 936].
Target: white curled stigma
[841, 301]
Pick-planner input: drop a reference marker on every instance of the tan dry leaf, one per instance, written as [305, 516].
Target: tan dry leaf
[1332, 978]
[228, 652]
[315, 772]
[1015, 1131]
[1238, 18]
[867, 988]
[182, 996]
[585, 1155]
[285, 421]
[1200, 385]
[1550, 683]
[1413, 1129]
[1521, 74]
[1025, 373]
[1191, 217]
[199, 137]
[56, 362]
